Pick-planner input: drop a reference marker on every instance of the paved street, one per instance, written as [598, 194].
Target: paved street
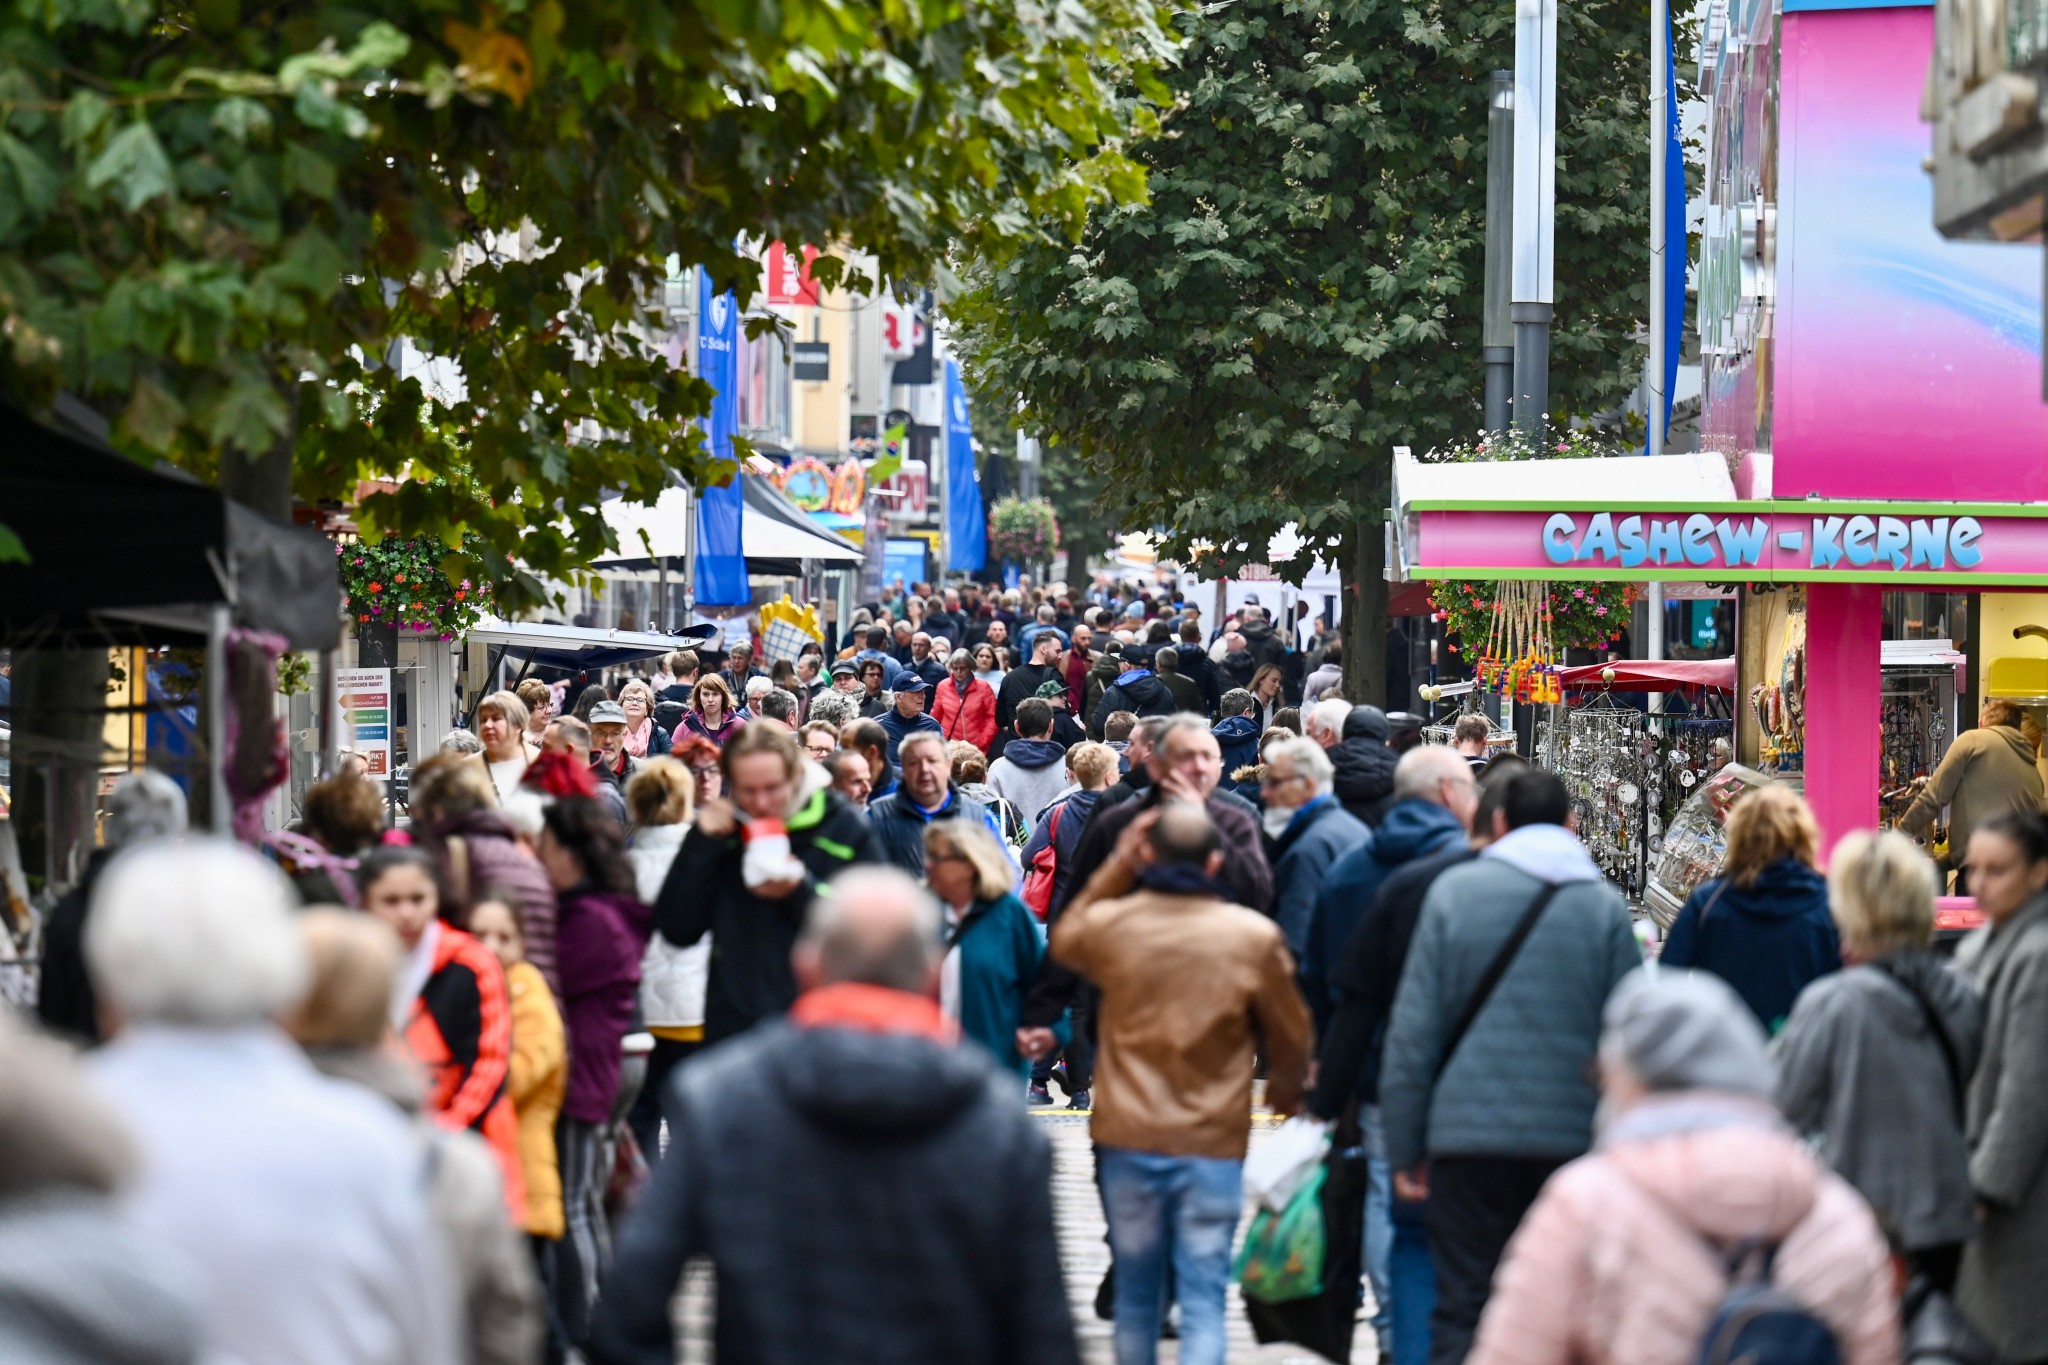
[1083, 1255]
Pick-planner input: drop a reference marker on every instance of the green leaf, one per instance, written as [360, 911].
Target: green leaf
[12, 551]
[85, 114]
[152, 417]
[242, 118]
[308, 172]
[134, 163]
[250, 416]
[34, 178]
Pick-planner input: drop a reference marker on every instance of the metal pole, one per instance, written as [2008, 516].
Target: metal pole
[691, 293]
[217, 720]
[1535, 206]
[1497, 332]
[1654, 442]
[329, 740]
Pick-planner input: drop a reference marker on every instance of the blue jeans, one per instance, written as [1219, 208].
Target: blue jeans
[1379, 1225]
[1413, 1277]
[1178, 1210]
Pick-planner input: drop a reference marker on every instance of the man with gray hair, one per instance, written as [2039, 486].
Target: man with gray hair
[1324, 722]
[299, 1202]
[1306, 831]
[778, 705]
[842, 1229]
[835, 709]
[145, 805]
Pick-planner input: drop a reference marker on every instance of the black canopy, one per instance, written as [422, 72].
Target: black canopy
[123, 554]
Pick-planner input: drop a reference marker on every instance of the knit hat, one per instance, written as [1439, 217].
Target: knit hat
[1369, 721]
[1683, 1030]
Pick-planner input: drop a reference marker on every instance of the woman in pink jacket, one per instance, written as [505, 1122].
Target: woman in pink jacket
[1623, 1259]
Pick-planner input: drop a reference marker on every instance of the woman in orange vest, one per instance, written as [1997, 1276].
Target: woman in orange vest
[453, 1008]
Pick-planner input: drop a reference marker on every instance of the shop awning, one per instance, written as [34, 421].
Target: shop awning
[581, 647]
[777, 533]
[1654, 675]
[123, 554]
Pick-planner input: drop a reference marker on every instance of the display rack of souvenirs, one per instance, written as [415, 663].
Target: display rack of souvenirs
[1916, 720]
[1780, 706]
[1602, 752]
[1694, 847]
[1690, 750]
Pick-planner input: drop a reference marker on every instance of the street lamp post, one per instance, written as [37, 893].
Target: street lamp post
[1497, 329]
[1535, 205]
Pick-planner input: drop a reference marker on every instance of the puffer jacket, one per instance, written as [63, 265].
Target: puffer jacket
[1619, 1262]
[1365, 777]
[971, 717]
[478, 851]
[671, 978]
[1238, 738]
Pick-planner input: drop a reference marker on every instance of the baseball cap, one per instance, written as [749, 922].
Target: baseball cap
[607, 713]
[1135, 610]
[1051, 688]
[907, 681]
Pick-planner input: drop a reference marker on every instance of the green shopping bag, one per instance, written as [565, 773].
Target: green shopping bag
[1282, 1256]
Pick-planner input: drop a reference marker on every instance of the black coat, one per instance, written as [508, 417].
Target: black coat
[1142, 696]
[751, 938]
[65, 1002]
[1365, 777]
[1020, 684]
[841, 1229]
[1196, 665]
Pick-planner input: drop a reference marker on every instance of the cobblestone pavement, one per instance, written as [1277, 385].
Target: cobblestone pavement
[1084, 1255]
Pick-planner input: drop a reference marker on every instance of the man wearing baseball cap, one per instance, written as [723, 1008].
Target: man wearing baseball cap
[906, 716]
[1026, 681]
[608, 756]
[1066, 731]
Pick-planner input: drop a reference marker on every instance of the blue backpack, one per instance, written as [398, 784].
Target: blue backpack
[1756, 1323]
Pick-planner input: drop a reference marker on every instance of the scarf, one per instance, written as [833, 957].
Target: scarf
[638, 737]
[1179, 879]
[872, 1009]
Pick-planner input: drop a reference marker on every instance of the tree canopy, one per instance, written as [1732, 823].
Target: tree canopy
[1303, 289]
[217, 218]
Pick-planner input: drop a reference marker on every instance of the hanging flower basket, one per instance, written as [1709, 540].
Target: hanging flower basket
[1577, 615]
[400, 583]
[1023, 531]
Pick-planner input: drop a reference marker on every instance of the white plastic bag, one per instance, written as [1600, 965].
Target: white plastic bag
[1281, 1164]
[766, 857]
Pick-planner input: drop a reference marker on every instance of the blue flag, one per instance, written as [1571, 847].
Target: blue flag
[1676, 251]
[966, 523]
[720, 571]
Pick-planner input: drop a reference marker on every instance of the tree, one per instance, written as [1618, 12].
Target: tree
[1303, 290]
[217, 219]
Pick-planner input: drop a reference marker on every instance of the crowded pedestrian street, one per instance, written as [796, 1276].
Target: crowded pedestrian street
[1128, 681]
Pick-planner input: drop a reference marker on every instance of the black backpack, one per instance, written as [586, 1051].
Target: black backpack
[1756, 1323]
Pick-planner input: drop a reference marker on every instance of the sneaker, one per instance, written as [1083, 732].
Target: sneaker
[1078, 1100]
[1038, 1096]
[1059, 1077]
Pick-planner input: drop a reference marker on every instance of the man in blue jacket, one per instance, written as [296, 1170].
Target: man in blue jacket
[906, 717]
[1306, 832]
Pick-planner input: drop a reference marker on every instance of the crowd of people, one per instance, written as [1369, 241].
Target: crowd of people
[769, 967]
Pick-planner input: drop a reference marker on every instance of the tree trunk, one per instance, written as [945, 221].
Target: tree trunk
[58, 729]
[262, 483]
[1362, 573]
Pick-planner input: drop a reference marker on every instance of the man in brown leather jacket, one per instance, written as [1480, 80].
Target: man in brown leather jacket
[1190, 983]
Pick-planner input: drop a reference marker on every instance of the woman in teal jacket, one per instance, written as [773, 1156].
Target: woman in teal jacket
[993, 943]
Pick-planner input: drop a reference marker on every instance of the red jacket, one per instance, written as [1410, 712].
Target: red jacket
[461, 1032]
[972, 717]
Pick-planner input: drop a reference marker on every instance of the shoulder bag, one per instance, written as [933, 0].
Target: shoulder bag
[1495, 970]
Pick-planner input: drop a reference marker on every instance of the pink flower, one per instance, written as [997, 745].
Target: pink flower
[1578, 592]
[1599, 611]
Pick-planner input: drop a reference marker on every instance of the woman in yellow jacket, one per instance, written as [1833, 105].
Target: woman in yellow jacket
[540, 1061]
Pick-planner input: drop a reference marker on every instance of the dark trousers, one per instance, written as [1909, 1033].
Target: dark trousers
[1475, 1205]
[1939, 1264]
[1079, 1053]
[645, 1117]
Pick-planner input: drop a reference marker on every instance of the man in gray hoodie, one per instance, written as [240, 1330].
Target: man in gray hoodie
[1033, 769]
[1481, 1107]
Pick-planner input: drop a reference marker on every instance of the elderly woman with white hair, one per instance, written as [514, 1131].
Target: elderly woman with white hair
[299, 1202]
[145, 805]
[993, 945]
[1628, 1252]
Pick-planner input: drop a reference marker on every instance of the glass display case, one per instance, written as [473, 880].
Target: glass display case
[1694, 845]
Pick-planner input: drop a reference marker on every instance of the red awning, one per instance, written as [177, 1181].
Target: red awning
[1409, 599]
[1651, 675]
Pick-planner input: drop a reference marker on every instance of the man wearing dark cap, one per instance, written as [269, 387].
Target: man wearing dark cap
[1025, 681]
[1404, 731]
[906, 716]
[1066, 731]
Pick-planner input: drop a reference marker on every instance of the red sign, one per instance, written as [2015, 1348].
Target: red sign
[789, 280]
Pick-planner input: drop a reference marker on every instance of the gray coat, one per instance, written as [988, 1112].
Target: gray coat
[1521, 1084]
[2006, 1265]
[1859, 1068]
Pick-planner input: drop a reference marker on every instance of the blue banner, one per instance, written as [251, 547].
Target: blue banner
[720, 572]
[1676, 249]
[966, 522]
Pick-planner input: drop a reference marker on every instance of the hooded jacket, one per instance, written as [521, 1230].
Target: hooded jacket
[1238, 738]
[1521, 1083]
[1265, 645]
[1137, 691]
[478, 851]
[1768, 940]
[1201, 670]
[1020, 684]
[751, 936]
[1029, 775]
[1861, 1069]
[1413, 829]
[842, 1229]
[1616, 1264]
[1365, 775]
[1235, 669]
[1987, 770]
